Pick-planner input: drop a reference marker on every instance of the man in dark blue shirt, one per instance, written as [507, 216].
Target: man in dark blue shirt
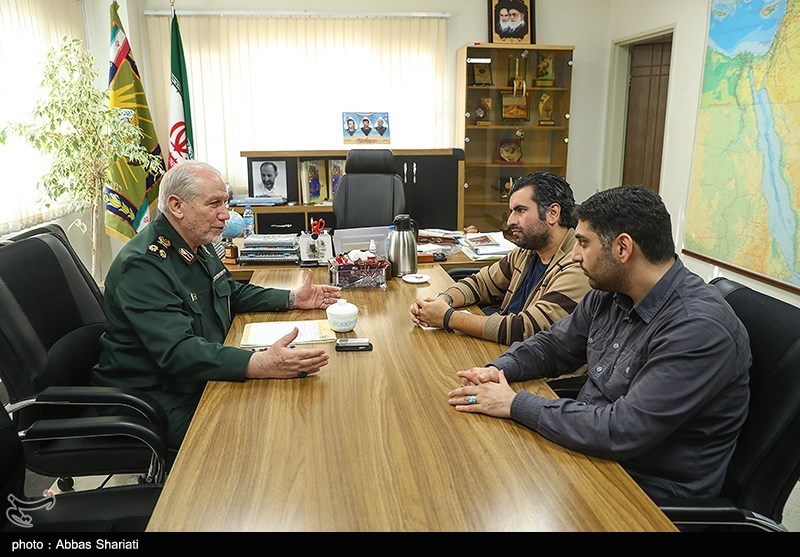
[667, 381]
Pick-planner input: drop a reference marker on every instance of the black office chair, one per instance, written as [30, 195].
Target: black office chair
[370, 193]
[49, 341]
[457, 273]
[111, 509]
[765, 466]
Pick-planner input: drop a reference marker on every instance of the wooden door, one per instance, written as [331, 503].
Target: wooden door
[647, 104]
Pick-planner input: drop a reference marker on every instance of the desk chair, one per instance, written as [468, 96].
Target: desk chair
[370, 193]
[49, 341]
[113, 509]
[457, 273]
[766, 463]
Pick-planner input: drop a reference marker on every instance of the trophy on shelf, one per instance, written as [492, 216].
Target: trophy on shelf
[481, 72]
[545, 71]
[546, 110]
[504, 187]
[516, 72]
[482, 112]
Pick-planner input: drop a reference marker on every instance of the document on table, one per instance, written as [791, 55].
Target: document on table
[264, 334]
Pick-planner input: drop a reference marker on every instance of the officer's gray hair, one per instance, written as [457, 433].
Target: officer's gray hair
[181, 180]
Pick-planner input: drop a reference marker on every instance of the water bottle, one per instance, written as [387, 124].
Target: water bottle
[249, 221]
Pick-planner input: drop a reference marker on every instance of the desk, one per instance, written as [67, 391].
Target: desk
[245, 272]
[371, 444]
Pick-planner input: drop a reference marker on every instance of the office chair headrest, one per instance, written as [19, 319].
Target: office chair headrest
[370, 161]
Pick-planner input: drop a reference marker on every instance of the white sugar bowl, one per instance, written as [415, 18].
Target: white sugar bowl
[342, 316]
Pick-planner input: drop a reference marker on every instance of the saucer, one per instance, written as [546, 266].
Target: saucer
[417, 278]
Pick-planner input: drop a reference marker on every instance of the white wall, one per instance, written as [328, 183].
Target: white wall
[591, 26]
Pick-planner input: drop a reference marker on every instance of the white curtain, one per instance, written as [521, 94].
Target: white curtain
[269, 83]
[28, 29]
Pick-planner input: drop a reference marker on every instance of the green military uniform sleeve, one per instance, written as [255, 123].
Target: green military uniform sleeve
[175, 329]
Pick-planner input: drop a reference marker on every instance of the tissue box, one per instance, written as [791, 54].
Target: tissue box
[345, 273]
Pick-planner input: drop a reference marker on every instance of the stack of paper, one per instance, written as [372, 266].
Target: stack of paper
[265, 333]
[486, 245]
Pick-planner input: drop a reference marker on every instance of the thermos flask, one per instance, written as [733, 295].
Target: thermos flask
[403, 246]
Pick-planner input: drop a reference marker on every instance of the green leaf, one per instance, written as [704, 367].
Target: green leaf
[73, 122]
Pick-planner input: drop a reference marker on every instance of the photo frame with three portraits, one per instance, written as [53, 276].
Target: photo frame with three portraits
[512, 21]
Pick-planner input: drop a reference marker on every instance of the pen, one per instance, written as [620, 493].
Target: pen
[262, 348]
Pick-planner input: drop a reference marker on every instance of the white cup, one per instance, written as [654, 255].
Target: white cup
[342, 316]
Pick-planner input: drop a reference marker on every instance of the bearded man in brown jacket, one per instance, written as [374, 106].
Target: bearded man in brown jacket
[535, 285]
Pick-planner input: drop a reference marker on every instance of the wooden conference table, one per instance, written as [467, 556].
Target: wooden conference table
[371, 444]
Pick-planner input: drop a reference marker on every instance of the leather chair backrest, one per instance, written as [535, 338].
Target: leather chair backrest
[370, 193]
[12, 464]
[766, 463]
[52, 315]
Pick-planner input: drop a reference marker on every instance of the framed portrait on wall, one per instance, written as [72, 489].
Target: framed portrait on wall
[512, 21]
[366, 127]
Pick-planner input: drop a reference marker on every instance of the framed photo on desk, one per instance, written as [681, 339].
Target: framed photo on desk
[270, 178]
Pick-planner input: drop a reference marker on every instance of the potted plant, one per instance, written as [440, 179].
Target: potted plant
[74, 124]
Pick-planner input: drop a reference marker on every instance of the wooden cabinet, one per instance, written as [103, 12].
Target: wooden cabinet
[431, 186]
[432, 179]
[512, 106]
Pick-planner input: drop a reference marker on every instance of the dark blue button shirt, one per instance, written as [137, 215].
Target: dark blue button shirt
[667, 383]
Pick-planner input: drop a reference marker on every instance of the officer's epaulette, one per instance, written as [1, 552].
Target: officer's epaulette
[157, 251]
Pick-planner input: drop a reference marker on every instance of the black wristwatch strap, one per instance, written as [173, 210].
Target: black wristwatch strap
[446, 320]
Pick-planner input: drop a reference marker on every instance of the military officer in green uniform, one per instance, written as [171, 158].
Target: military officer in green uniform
[169, 302]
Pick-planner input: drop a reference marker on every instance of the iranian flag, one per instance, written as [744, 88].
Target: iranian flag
[181, 140]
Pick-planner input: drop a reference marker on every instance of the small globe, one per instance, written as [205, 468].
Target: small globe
[234, 226]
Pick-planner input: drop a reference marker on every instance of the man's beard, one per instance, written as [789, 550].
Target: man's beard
[532, 239]
[505, 26]
[514, 24]
[607, 274]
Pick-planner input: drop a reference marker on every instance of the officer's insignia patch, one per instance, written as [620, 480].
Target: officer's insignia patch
[163, 241]
[157, 251]
[187, 255]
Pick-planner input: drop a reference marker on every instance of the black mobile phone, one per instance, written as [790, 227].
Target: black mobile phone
[353, 344]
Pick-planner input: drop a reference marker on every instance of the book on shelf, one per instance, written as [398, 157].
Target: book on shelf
[335, 171]
[487, 243]
[314, 182]
[264, 334]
